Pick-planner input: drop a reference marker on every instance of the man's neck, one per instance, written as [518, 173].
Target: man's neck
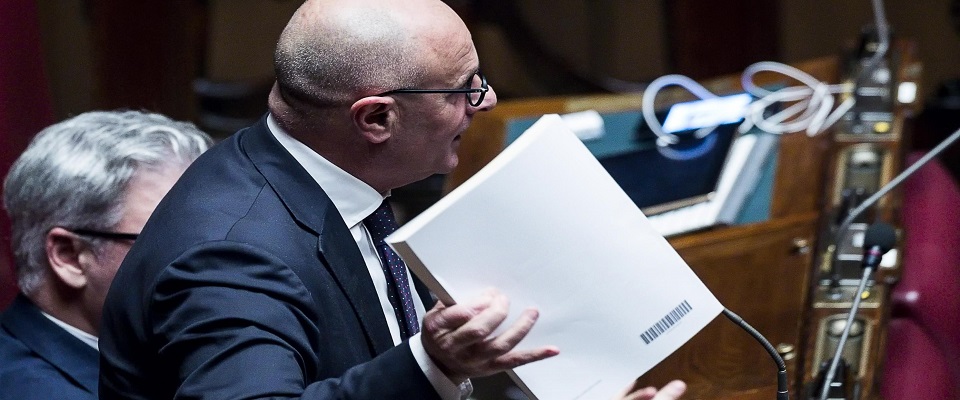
[66, 309]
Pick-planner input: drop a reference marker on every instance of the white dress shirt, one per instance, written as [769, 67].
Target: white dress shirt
[355, 200]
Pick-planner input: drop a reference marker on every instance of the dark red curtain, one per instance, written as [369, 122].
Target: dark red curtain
[25, 105]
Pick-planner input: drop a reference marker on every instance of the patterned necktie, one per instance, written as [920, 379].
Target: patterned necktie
[380, 224]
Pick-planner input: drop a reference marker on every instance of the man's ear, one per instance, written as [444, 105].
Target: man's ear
[65, 254]
[374, 117]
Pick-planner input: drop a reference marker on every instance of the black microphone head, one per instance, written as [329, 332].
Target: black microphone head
[880, 234]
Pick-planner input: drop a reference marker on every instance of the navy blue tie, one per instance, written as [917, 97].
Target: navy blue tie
[380, 224]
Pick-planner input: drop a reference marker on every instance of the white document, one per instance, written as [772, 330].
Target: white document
[545, 224]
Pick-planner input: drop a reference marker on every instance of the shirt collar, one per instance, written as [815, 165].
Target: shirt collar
[354, 199]
[84, 337]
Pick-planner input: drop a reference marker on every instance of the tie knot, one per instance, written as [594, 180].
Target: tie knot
[381, 222]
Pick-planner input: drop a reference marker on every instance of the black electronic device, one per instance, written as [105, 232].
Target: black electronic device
[870, 72]
[839, 389]
[658, 183]
[660, 178]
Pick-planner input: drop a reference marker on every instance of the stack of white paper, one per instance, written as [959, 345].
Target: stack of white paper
[545, 224]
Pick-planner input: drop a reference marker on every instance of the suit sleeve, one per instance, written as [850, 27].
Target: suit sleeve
[233, 322]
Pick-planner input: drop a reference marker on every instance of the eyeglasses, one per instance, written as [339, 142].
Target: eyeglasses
[478, 88]
[105, 235]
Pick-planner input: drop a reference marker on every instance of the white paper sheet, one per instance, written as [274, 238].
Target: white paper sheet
[545, 224]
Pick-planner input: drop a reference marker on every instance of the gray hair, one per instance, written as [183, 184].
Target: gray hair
[330, 62]
[74, 174]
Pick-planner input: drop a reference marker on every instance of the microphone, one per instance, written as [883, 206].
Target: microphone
[878, 240]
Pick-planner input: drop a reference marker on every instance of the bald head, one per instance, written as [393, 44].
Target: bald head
[336, 57]
[333, 51]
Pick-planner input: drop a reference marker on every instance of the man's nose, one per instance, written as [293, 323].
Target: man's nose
[489, 100]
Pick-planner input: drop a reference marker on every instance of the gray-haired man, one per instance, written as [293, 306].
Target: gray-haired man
[77, 197]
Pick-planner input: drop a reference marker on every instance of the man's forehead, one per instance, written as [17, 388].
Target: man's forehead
[454, 56]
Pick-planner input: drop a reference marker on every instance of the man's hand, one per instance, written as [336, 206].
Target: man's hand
[456, 337]
[670, 391]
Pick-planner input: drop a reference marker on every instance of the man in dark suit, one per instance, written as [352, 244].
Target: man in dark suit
[77, 197]
[263, 273]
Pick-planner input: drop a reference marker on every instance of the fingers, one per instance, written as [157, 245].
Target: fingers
[460, 326]
[519, 358]
[458, 338]
[506, 341]
[482, 324]
[443, 318]
[635, 392]
[499, 348]
[646, 393]
[671, 391]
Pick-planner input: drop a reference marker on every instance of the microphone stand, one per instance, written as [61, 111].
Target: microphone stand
[782, 392]
[831, 372]
[870, 201]
[842, 230]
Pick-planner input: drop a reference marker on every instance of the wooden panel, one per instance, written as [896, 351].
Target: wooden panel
[800, 174]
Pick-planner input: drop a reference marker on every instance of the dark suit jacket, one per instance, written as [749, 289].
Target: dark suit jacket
[246, 283]
[40, 361]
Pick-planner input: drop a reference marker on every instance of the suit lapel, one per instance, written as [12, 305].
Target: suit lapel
[310, 206]
[338, 248]
[76, 360]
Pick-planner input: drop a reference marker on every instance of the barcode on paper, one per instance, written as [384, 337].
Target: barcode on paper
[666, 322]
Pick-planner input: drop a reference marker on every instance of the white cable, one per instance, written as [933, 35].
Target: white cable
[811, 106]
[665, 139]
[650, 115]
[883, 38]
[813, 109]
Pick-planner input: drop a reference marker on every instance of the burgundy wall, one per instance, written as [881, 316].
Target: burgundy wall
[25, 106]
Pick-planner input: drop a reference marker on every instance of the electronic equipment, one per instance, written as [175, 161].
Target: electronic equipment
[849, 303]
[660, 177]
[657, 182]
[874, 90]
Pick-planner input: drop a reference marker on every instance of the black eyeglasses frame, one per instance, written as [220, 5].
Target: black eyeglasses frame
[483, 89]
[105, 235]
